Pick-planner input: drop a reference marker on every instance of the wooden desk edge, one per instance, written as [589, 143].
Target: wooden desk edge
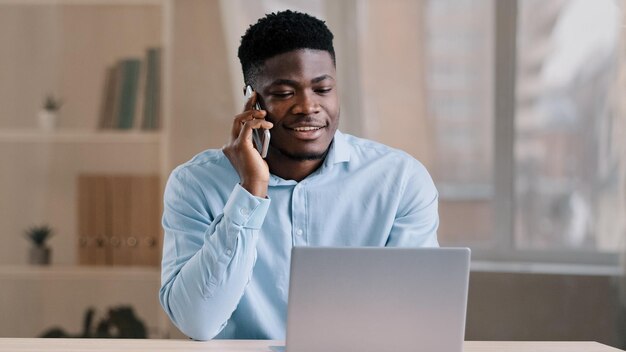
[153, 345]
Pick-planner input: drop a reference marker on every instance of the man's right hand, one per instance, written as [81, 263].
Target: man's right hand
[253, 171]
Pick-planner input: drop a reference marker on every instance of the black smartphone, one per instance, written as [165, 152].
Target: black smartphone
[260, 136]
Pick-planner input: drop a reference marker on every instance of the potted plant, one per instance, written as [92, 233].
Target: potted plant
[49, 114]
[39, 253]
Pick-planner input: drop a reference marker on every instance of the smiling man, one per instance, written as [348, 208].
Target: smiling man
[232, 217]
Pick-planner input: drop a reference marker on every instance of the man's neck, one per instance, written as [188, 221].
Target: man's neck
[291, 169]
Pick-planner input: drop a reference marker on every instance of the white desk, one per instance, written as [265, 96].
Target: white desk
[116, 345]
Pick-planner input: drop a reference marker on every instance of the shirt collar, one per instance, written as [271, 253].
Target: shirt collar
[339, 151]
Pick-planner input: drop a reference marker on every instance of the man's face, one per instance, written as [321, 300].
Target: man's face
[299, 92]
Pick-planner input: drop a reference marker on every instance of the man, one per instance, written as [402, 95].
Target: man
[231, 217]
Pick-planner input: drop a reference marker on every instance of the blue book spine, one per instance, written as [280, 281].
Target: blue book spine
[128, 92]
[151, 109]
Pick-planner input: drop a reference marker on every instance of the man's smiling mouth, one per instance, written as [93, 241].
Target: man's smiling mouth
[306, 128]
[307, 132]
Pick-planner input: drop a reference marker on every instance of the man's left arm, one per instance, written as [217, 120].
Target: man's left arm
[417, 218]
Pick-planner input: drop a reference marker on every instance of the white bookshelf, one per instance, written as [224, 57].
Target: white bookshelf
[70, 45]
[82, 2]
[76, 136]
[39, 168]
[70, 48]
[79, 273]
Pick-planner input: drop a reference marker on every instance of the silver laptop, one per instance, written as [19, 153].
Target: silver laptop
[377, 299]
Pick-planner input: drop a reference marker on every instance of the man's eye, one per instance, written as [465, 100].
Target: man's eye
[323, 90]
[282, 94]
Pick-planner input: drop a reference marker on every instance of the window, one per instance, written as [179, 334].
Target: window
[569, 163]
[458, 50]
[543, 180]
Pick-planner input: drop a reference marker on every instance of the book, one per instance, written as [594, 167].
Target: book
[152, 100]
[93, 220]
[127, 98]
[145, 216]
[140, 97]
[122, 246]
[119, 220]
[108, 103]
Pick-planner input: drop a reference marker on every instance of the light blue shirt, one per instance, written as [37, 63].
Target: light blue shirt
[226, 253]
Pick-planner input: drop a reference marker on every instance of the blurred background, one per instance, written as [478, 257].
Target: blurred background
[516, 107]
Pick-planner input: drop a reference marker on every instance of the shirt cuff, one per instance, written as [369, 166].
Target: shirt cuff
[246, 210]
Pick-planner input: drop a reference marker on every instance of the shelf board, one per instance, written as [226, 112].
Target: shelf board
[82, 2]
[79, 272]
[78, 136]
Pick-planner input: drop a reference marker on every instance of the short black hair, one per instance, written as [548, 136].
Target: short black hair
[278, 33]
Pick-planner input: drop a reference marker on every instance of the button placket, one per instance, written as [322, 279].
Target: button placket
[298, 215]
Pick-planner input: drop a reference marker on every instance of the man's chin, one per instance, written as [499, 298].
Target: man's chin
[303, 156]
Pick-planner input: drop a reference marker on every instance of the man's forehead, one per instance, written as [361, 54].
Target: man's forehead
[292, 82]
[298, 65]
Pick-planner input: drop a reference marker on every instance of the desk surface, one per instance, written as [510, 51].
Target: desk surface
[111, 345]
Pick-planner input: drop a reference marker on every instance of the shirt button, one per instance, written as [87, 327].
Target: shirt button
[244, 211]
[299, 232]
[229, 252]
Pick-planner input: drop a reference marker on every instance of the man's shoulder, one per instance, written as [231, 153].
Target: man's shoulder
[207, 161]
[378, 164]
[368, 151]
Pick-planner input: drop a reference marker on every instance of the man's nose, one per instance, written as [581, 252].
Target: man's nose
[306, 104]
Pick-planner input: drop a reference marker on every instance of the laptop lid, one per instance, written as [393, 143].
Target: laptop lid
[377, 299]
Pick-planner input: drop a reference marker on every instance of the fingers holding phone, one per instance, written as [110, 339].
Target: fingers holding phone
[241, 119]
[242, 151]
[250, 132]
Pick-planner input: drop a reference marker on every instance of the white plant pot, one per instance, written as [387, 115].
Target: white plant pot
[39, 255]
[48, 120]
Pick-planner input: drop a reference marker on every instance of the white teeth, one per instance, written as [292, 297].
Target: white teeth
[302, 129]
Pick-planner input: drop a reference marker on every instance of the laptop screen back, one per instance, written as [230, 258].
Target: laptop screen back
[377, 299]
